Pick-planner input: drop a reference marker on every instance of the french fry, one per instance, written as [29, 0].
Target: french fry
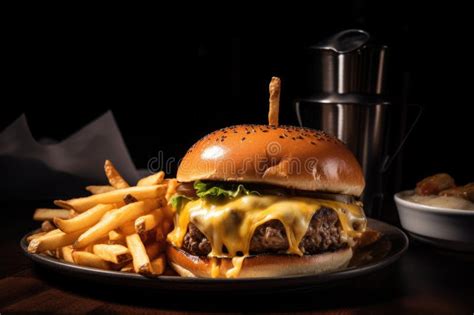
[88, 248]
[127, 228]
[151, 180]
[50, 252]
[127, 268]
[55, 231]
[58, 253]
[141, 261]
[116, 254]
[47, 226]
[89, 260]
[83, 220]
[115, 220]
[171, 189]
[114, 177]
[109, 213]
[155, 248]
[114, 196]
[158, 265]
[275, 87]
[129, 199]
[168, 211]
[116, 236]
[148, 236]
[66, 252]
[159, 235]
[167, 226]
[162, 230]
[95, 190]
[42, 214]
[117, 227]
[52, 240]
[149, 221]
[33, 236]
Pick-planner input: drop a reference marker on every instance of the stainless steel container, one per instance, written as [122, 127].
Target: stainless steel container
[346, 99]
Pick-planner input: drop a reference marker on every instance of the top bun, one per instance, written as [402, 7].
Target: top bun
[286, 156]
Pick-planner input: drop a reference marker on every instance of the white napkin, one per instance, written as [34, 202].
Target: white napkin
[30, 170]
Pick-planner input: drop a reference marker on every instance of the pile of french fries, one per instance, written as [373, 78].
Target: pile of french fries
[117, 227]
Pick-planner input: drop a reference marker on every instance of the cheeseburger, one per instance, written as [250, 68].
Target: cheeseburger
[266, 200]
[260, 201]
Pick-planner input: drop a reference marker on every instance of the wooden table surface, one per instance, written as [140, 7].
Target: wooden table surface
[424, 280]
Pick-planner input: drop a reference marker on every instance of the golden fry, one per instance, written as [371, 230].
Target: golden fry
[114, 196]
[116, 254]
[89, 260]
[167, 226]
[171, 189]
[155, 248]
[116, 236]
[127, 268]
[95, 190]
[168, 211]
[114, 220]
[141, 261]
[114, 177]
[33, 236]
[151, 180]
[83, 220]
[149, 221]
[47, 226]
[66, 252]
[158, 265]
[129, 199]
[52, 240]
[148, 236]
[275, 86]
[163, 229]
[127, 228]
[42, 214]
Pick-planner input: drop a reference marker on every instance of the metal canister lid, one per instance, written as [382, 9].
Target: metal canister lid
[348, 62]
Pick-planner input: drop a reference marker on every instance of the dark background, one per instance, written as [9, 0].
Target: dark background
[171, 78]
[170, 83]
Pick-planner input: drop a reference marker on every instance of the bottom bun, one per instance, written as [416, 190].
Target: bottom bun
[187, 265]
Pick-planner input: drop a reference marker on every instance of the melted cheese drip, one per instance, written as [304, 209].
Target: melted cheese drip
[215, 269]
[237, 266]
[231, 224]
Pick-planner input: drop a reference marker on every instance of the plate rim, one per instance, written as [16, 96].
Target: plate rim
[347, 273]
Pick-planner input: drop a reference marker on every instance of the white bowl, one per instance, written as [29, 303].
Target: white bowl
[449, 228]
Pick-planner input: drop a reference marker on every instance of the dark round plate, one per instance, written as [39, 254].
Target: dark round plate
[374, 257]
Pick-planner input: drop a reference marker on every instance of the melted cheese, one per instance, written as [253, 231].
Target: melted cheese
[231, 224]
[215, 269]
[235, 270]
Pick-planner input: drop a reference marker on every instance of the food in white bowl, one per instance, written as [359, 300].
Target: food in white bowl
[438, 214]
[442, 201]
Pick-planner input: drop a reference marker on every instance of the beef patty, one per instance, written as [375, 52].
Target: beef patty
[323, 234]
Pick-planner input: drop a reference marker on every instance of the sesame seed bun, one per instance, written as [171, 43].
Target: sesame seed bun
[286, 156]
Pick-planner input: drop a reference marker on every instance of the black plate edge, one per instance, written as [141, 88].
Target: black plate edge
[352, 272]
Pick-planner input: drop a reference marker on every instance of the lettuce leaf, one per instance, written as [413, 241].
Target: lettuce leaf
[209, 190]
[178, 200]
[206, 190]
